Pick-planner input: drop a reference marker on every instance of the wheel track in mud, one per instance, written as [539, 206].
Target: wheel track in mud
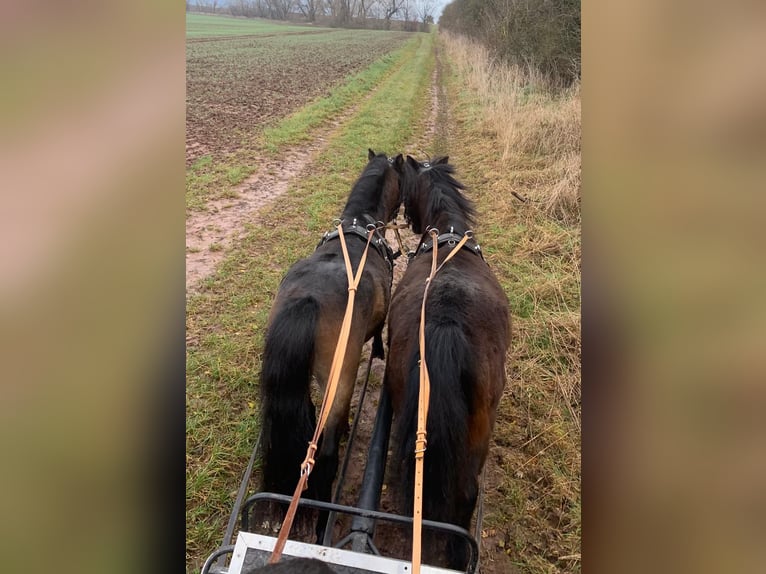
[223, 221]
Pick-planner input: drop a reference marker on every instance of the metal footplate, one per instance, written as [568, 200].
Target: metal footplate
[254, 550]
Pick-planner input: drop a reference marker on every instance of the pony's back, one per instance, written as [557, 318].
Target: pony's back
[466, 338]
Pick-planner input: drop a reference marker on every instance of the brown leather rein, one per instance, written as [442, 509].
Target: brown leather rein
[330, 390]
[423, 400]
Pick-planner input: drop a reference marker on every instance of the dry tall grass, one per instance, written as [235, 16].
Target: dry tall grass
[532, 120]
[516, 133]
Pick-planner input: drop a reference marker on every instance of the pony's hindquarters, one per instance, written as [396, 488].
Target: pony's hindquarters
[288, 414]
[449, 484]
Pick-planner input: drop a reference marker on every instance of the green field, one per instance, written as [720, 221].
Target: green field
[209, 26]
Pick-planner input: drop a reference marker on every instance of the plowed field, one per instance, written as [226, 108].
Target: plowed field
[238, 85]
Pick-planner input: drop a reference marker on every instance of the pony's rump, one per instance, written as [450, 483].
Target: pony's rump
[450, 369]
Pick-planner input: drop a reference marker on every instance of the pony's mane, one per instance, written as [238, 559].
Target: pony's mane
[445, 195]
[365, 194]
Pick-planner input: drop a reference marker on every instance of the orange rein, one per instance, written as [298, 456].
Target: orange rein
[423, 401]
[330, 390]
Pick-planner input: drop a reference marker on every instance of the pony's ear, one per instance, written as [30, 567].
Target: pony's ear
[398, 162]
[441, 160]
[370, 154]
[413, 163]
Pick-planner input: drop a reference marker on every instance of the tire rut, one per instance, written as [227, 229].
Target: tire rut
[211, 233]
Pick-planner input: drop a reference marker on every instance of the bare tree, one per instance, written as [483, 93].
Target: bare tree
[425, 12]
[340, 10]
[245, 8]
[374, 12]
[309, 9]
[279, 9]
[361, 10]
[390, 7]
[407, 14]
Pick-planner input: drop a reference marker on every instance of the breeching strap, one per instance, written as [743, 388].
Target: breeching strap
[329, 395]
[423, 400]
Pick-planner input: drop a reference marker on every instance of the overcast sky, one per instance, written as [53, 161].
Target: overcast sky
[440, 4]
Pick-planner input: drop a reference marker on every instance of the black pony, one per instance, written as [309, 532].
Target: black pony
[467, 334]
[303, 330]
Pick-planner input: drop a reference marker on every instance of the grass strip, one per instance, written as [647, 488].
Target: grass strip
[532, 501]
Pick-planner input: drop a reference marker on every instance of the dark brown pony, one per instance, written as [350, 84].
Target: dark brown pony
[303, 330]
[467, 336]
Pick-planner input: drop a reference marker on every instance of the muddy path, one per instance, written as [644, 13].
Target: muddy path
[392, 540]
[432, 141]
[211, 233]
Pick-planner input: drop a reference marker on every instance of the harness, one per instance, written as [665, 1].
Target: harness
[378, 242]
[451, 239]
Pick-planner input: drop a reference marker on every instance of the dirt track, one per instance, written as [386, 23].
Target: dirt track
[393, 541]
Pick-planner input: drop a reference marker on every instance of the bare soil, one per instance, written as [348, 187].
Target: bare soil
[238, 84]
[210, 233]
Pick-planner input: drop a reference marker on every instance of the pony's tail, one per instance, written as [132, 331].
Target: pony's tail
[450, 368]
[288, 414]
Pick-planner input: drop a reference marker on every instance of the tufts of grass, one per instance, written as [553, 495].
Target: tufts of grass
[533, 487]
[537, 125]
[235, 175]
[208, 180]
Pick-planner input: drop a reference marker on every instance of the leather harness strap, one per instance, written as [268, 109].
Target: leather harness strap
[450, 238]
[380, 243]
[423, 401]
[330, 390]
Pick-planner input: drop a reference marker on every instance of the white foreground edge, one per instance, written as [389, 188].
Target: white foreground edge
[350, 562]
